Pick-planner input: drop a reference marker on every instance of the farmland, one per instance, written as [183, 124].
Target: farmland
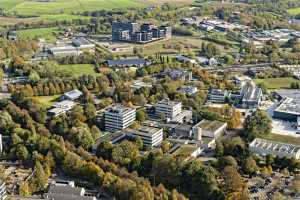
[294, 11]
[47, 33]
[35, 8]
[277, 83]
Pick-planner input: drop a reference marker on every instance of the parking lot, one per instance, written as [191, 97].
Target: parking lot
[264, 188]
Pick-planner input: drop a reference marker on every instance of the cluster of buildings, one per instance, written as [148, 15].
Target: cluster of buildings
[220, 25]
[293, 69]
[133, 32]
[277, 35]
[66, 103]
[74, 47]
[249, 96]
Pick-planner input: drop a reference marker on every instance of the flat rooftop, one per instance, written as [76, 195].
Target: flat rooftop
[289, 105]
[275, 146]
[143, 130]
[185, 150]
[210, 125]
[119, 109]
[168, 102]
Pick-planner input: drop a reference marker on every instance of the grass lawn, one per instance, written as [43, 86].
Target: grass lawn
[37, 8]
[47, 101]
[282, 138]
[47, 33]
[294, 11]
[277, 83]
[79, 69]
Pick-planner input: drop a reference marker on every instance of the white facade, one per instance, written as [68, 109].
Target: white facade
[119, 118]
[61, 107]
[169, 108]
[211, 129]
[150, 136]
[264, 147]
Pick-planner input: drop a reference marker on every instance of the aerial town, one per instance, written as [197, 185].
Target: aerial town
[149, 100]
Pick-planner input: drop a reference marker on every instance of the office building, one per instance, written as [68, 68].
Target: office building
[170, 109]
[150, 136]
[118, 117]
[3, 194]
[217, 96]
[264, 147]
[188, 89]
[132, 32]
[64, 191]
[60, 108]
[251, 95]
[210, 128]
[132, 62]
[82, 43]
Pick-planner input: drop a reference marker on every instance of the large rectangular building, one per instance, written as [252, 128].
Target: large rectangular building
[119, 117]
[150, 136]
[170, 109]
[264, 147]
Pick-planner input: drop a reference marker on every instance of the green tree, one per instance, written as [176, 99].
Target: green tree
[24, 189]
[259, 123]
[249, 166]
[141, 115]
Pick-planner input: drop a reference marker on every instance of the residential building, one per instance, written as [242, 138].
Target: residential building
[264, 147]
[3, 194]
[72, 95]
[217, 96]
[119, 117]
[150, 136]
[132, 32]
[178, 74]
[169, 109]
[132, 62]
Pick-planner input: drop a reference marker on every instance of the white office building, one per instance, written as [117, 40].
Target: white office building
[170, 109]
[150, 136]
[61, 107]
[118, 117]
[264, 147]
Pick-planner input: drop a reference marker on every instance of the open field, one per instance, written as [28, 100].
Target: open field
[294, 11]
[46, 101]
[277, 83]
[79, 69]
[47, 33]
[179, 45]
[36, 8]
[282, 138]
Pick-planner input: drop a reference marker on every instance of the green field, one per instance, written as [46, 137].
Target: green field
[294, 11]
[36, 8]
[282, 138]
[46, 101]
[79, 69]
[277, 83]
[47, 33]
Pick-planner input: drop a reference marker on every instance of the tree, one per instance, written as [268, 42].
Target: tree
[233, 181]
[40, 178]
[259, 123]
[96, 133]
[24, 189]
[104, 150]
[22, 152]
[141, 115]
[228, 161]
[126, 154]
[90, 111]
[165, 146]
[139, 142]
[249, 166]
